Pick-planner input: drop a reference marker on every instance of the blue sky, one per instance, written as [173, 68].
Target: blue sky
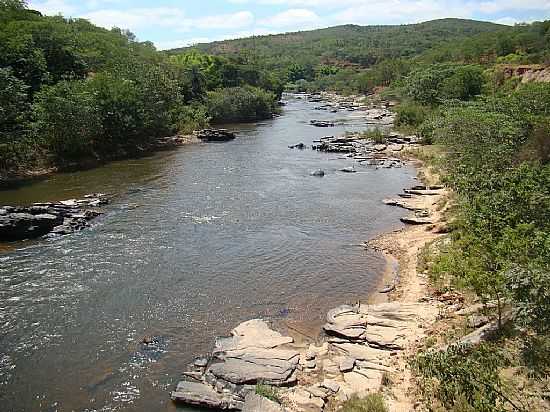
[175, 23]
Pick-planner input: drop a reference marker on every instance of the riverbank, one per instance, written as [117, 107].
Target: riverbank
[18, 177]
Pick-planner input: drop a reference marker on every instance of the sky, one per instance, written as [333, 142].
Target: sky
[176, 23]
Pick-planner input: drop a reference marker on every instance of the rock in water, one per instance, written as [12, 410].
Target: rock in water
[318, 173]
[321, 123]
[215, 135]
[348, 170]
[18, 223]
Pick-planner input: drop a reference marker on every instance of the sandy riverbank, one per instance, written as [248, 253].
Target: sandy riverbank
[405, 246]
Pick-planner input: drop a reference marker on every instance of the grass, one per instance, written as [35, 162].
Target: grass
[376, 135]
[374, 402]
[268, 392]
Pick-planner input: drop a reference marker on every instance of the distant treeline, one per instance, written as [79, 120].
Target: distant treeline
[71, 91]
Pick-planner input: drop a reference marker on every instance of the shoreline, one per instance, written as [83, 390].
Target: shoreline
[23, 177]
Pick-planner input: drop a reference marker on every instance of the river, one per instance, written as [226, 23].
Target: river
[195, 241]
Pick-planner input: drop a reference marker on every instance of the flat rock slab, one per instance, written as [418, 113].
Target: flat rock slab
[346, 321]
[361, 384]
[257, 403]
[362, 351]
[413, 220]
[254, 333]
[199, 394]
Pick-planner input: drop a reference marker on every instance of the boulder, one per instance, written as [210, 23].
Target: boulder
[318, 173]
[19, 226]
[199, 394]
[413, 220]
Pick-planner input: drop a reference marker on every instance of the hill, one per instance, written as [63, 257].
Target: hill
[348, 45]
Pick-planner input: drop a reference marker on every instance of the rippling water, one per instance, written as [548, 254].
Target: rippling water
[196, 240]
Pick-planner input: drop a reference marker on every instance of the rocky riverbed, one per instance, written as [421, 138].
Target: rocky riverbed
[361, 347]
[49, 219]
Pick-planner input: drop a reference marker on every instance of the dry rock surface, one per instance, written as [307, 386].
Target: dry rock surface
[358, 349]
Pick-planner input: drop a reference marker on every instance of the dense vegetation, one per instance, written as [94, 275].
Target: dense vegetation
[494, 136]
[73, 92]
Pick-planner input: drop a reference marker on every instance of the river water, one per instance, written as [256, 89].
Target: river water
[195, 241]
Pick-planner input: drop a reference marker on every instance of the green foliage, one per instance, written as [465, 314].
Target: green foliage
[462, 377]
[373, 402]
[268, 391]
[67, 119]
[433, 84]
[411, 114]
[240, 104]
[71, 90]
[191, 118]
[13, 105]
[376, 135]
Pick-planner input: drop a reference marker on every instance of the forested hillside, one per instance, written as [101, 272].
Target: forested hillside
[353, 59]
[71, 92]
[348, 45]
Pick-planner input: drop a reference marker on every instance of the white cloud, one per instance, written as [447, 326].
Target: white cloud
[291, 17]
[167, 17]
[52, 7]
[137, 18]
[224, 21]
[490, 7]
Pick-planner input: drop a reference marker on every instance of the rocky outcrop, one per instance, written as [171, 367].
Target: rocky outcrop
[215, 135]
[254, 353]
[55, 218]
[361, 342]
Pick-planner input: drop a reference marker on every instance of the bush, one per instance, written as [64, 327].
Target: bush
[373, 402]
[376, 135]
[268, 392]
[240, 104]
[191, 118]
[433, 84]
[461, 376]
[411, 114]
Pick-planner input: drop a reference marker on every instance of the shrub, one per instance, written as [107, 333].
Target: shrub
[376, 135]
[411, 114]
[461, 376]
[191, 118]
[373, 402]
[237, 104]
